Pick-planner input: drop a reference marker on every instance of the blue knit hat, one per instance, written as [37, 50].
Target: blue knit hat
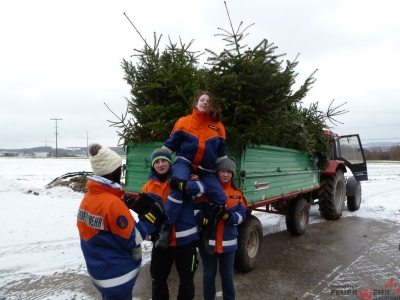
[160, 153]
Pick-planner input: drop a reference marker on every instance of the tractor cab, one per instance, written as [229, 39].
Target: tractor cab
[348, 148]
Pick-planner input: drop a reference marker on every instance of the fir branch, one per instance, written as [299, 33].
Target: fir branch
[136, 30]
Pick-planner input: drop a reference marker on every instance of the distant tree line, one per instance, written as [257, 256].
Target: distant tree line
[10, 154]
[378, 154]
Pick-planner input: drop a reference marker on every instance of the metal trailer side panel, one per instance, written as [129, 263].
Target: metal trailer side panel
[138, 165]
[265, 172]
[262, 172]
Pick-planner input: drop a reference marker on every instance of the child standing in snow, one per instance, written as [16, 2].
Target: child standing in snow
[110, 237]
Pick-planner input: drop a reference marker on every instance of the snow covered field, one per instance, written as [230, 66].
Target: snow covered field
[38, 233]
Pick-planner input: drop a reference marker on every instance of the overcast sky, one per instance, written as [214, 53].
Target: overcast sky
[62, 59]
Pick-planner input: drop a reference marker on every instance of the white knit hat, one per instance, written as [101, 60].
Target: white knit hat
[104, 161]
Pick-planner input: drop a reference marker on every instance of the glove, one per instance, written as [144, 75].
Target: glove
[155, 215]
[177, 184]
[154, 236]
[220, 212]
[209, 221]
[129, 200]
[141, 205]
[137, 252]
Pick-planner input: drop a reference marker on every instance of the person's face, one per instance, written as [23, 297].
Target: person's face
[224, 176]
[203, 104]
[162, 166]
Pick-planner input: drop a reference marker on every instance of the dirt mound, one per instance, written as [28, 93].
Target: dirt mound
[76, 181]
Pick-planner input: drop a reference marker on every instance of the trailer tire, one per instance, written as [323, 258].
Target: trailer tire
[353, 193]
[249, 244]
[332, 195]
[297, 216]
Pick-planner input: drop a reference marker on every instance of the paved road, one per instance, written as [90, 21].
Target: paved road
[332, 260]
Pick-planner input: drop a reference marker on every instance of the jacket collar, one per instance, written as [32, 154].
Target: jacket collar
[97, 188]
[199, 115]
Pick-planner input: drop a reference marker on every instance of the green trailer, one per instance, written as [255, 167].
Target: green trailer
[277, 180]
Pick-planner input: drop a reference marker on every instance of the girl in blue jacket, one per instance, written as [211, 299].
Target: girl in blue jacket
[223, 237]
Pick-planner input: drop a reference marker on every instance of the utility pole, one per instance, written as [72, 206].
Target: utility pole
[87, 143]
[56, 119]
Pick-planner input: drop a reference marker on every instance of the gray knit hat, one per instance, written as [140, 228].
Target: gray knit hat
[160, 153]
[227, 164]
[104, 161]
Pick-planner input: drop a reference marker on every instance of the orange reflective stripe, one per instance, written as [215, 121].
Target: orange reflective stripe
[173, 237]
[219, 236]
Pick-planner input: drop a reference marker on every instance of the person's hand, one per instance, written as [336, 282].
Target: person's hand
[209, 221]
[220, 212]
[128, 200]
[155, 215]
[154, 236]
[177, 184]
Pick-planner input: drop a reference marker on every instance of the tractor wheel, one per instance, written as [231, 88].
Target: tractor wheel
[249, 244]
[353, 192]
[331, 195]
[297, 216]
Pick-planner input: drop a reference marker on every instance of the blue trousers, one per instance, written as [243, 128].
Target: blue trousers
[182, 170]
[226, 261]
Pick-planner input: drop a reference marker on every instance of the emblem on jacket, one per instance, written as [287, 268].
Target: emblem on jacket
[235, 197]
[122, 222]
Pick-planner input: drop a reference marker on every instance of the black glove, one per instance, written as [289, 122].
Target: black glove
[154, 236]
[209, 221]
[154, 215]
[177, 184]
[142, 204]
[220, 212]
[129, 200]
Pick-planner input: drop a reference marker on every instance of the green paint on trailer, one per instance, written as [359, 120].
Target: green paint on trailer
[262, 172]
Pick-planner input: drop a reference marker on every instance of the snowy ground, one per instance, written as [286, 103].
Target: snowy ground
[38, 233]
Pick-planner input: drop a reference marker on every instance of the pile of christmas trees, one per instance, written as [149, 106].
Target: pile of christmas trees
[253, 86]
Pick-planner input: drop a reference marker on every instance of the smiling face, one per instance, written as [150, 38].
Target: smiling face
[224, 176]
[162, 166]
[203, 104]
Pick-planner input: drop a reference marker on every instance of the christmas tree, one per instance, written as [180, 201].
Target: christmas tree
[254, 87]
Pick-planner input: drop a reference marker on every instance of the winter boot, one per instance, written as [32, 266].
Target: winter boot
[204, 238]
[163, 241]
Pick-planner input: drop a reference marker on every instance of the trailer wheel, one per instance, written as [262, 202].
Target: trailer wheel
[331, 195]
[353, 192]
[249, 244]
[297, 216]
